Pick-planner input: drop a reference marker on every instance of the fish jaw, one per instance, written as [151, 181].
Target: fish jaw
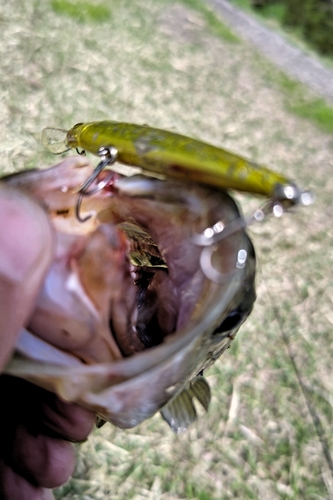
[90, 301]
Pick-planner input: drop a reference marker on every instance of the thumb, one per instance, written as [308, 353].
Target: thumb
[25, 254]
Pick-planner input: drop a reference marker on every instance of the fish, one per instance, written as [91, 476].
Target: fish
[127, 321]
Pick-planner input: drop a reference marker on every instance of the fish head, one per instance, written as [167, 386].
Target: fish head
[127, 321]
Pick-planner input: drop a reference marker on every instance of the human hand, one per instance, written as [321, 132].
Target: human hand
[35, 426]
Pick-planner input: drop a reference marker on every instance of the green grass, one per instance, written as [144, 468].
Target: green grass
[298, 99]
[316, 110]
[305, 105]
[244, 4]
[162, 63]
[274, 11]
[82, 10]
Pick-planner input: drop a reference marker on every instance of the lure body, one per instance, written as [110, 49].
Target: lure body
[176, 156]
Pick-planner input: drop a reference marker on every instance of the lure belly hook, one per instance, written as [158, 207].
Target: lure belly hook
[108, 157]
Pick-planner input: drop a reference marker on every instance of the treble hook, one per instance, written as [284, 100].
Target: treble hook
[108, 157]
[219, 231]
[209, 270]
[275, 206]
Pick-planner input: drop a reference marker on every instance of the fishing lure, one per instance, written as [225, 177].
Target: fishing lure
[170, 155]
[174, 156]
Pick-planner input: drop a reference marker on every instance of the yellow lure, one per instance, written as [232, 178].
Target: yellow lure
[176, 156]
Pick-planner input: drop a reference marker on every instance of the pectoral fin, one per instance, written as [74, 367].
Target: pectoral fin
[180, 412]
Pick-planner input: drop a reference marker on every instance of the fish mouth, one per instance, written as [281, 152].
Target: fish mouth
[135, 280]
[126, 316]
[158, 281]
[163, 270]
[156, 309]
[149, 272]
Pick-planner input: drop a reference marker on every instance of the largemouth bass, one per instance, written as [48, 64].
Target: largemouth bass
[127, 321]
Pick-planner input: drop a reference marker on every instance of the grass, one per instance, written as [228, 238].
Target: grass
[273, 16]
[212, 20]
[316, 110]
[82, 11]
[299, 101]
[297, 98]
[273, 11]
[162, 63]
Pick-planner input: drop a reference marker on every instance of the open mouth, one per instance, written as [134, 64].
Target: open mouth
[149, 272]
[136, 279]
[164, 262]
[131, 277]
[126, 316]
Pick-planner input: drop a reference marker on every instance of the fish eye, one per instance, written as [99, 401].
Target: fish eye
[233, 320]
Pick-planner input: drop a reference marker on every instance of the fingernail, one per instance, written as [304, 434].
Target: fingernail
[23, 230]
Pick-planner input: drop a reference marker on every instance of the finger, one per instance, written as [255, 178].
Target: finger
[70, 421]
[40, 411]
[41, 459]
[14, 487]
[25, 254]
[29, 447]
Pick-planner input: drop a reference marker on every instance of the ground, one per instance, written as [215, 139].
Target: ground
[168, 65]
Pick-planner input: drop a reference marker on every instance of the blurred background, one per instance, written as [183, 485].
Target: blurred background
[178, 66]
[311, 20]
